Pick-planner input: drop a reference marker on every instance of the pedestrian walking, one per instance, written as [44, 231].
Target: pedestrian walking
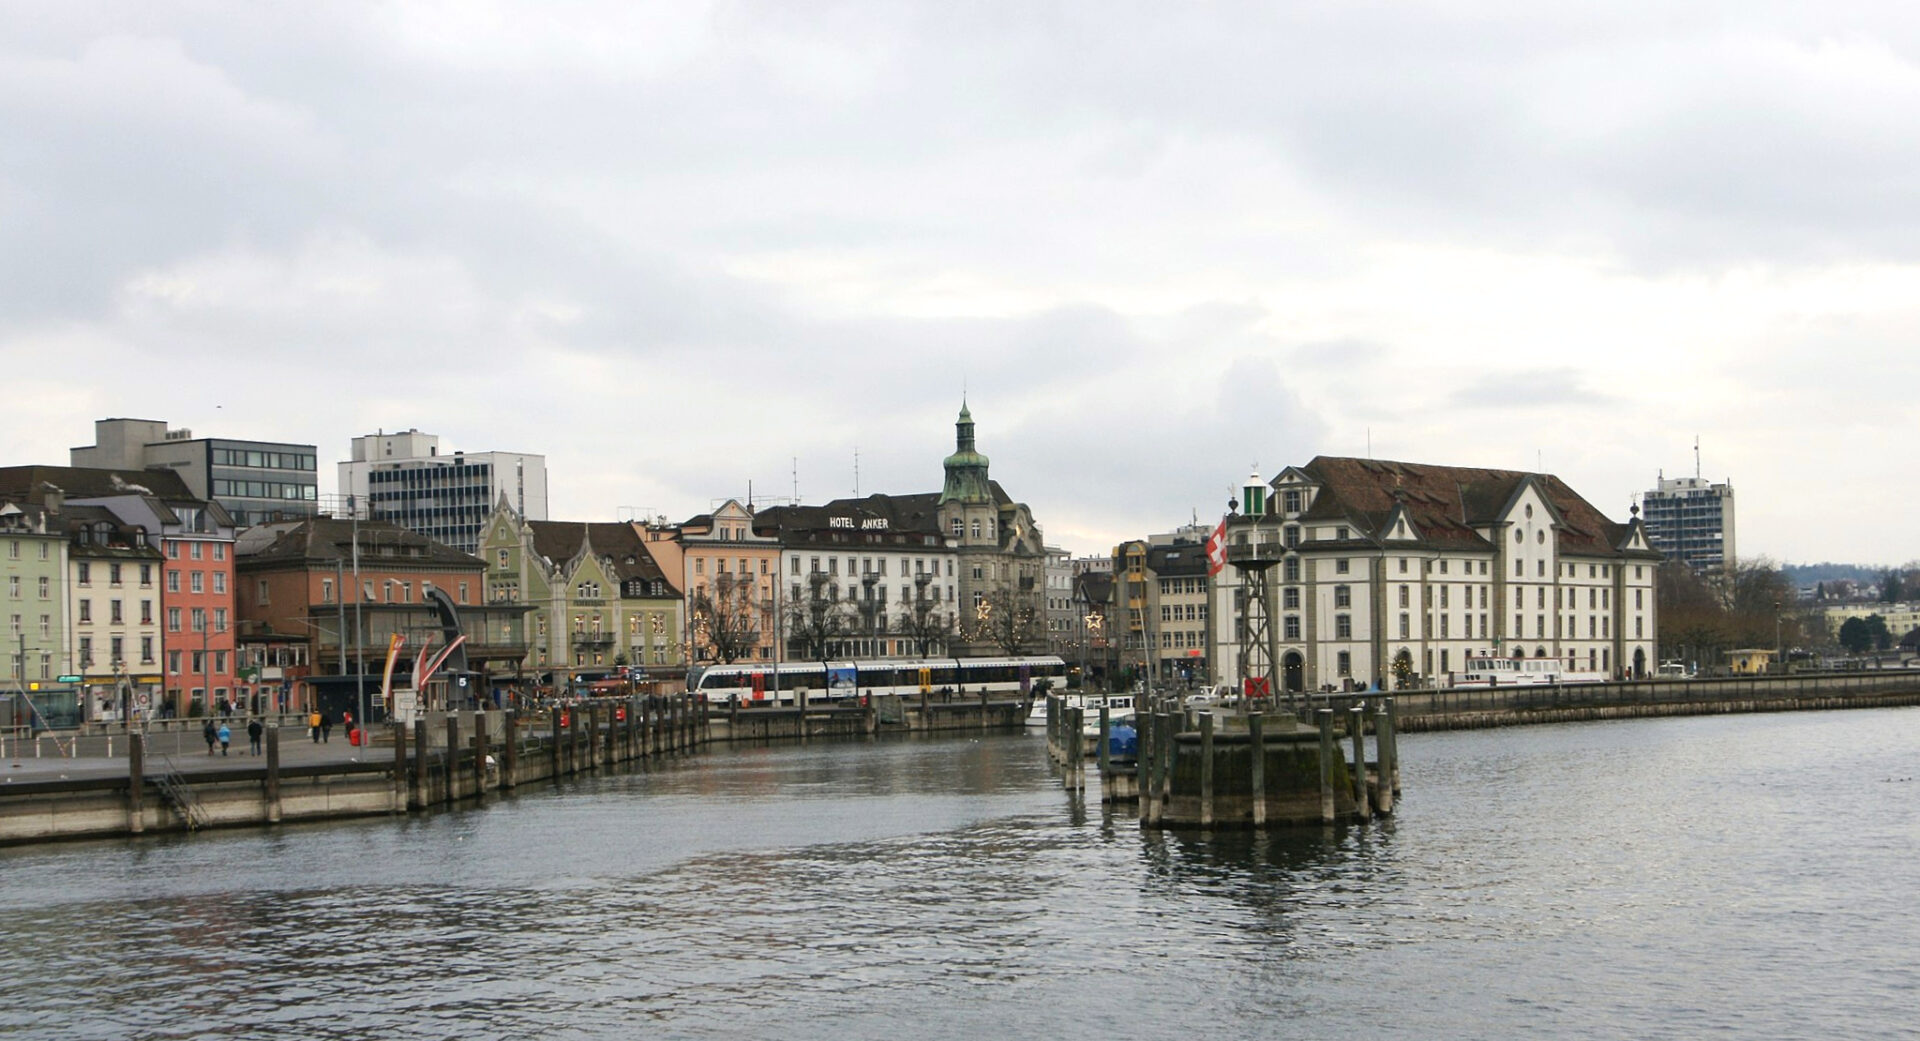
[225, 737]
[254, 730]
[326, 727]
[207, 731]
[313, 726]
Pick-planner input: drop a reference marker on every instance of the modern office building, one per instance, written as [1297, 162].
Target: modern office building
[403, 478]
[1691, 520]
[254, 481]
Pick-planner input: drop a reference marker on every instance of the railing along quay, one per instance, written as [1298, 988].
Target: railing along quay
[1480, 707]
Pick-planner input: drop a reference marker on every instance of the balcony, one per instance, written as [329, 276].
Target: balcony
[592, 641]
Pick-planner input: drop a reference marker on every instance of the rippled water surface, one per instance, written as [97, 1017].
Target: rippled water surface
[1734, 876]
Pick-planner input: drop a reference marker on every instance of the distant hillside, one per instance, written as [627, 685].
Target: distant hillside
[1810, 574]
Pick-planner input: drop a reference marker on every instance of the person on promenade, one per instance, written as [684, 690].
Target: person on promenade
[225, 737]
[313, 726]
[326, 727]
[207, 731]
[254, 730]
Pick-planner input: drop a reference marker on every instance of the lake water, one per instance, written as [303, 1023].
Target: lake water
[1738, 876]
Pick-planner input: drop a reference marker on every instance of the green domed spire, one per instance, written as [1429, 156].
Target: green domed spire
[966, 468]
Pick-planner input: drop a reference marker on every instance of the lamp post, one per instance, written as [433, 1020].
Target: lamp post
[1779, 651]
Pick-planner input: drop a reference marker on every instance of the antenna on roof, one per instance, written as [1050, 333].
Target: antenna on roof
[1696, 457]
[796, 479]
[856, 471]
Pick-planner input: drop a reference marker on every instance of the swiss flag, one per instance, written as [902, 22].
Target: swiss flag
[1217, 549]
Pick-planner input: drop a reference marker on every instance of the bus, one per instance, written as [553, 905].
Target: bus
[764, 683]
[1521, 672]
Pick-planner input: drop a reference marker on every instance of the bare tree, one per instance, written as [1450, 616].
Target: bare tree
[726, 621]
[1751, 605]
[922, 621]
[817, 622]
[1008, 618]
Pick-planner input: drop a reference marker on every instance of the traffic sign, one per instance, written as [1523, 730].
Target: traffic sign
[66, 679]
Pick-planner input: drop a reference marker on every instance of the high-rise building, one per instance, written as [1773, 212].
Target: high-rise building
[403, 478]
[1691, 520]
[254, 481]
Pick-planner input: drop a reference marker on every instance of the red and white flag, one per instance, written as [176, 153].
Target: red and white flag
[1217, 549]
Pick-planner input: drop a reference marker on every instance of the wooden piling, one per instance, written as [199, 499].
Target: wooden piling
[453, 755]
[1393, 745]
[1206, 769]
[273, 775]
[479, 753]
[401, 798]
[1105, 760]
[136, 786]
[509, 749]
[1357, 730]
[1257, 779]
[422, 790]
[1383, 781]
[1142, 762]
[1324, 717]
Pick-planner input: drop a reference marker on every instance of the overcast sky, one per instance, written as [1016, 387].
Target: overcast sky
[683, 248]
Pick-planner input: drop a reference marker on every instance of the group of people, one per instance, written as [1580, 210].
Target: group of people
[218, 733]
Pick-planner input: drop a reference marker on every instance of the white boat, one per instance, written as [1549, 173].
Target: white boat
[1521, 672]
[1119, 706]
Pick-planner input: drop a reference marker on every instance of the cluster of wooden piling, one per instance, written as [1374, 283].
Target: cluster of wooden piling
[1226, 769]
[470, 759]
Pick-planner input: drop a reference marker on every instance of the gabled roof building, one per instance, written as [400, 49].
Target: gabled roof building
[1394, 574]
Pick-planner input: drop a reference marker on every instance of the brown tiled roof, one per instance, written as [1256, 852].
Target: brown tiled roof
[1448, 503]
[560, 542]
[327, 539]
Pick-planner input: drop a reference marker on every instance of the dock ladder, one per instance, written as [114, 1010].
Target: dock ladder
[174, 788]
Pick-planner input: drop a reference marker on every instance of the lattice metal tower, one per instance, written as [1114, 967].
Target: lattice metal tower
[1251, 560]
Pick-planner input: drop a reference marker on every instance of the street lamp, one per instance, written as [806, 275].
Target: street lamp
[1779, 650]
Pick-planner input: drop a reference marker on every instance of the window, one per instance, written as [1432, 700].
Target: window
[197, 581]
[46, 627]
[219, 551]
[219, 619]
[1344, 663]
[193, 550]
[86, 645]
[113, 574]
[46, 588]
[1403, 565]
[1340, 566]
[173, 580]
[116, 650]
[1292, 627]
[1540, 568]
[326, 590]
[114, 616]
[1406, 625]
[1290, 598]
[1292, 500]
[1343, 596]
[173, 619]
[1290, 571]
[83, 573]
[1343, 627]
[86, 611]
[146, 612]
[173, 662]
[199, 617]
[1405, 597]
[173, 549]
[260, 591]
[1519, 568]
[1292, 536]
[219, 579]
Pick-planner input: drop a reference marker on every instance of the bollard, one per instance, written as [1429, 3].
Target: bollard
[1206, 769]
[1142, 761]
[1324, 717]
[1105, 760]
[1257, 774]
[1357, 727]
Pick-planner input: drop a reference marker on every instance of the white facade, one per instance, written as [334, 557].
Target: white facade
[1691, 520]
[1395, 574]
[403, 478]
